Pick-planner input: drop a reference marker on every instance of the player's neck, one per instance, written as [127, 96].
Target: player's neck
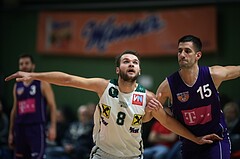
[126, 87]
[189, 75]
[27, 83]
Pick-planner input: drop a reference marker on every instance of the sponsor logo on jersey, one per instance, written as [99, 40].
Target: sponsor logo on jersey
[113, 92]
[106, 110]
[20, 90]
[196, 116]
[27, 106]
[137, 119]
[103, 121]
[133, 130]
[183, 97]
[137, 99]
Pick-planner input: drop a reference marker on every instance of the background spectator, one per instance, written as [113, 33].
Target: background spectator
[232, 117]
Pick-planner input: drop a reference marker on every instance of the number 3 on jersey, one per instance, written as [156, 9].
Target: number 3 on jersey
[204, 91]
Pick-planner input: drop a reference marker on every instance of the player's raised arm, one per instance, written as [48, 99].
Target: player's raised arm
[62, 79]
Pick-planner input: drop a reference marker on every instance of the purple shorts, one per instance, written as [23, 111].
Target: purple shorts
[29, 140]
[217, 150]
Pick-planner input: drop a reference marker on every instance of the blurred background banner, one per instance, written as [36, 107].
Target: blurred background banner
[106, 34]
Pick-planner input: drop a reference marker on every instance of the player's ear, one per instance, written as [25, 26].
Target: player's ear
[33, 67]
[117, 70]
[199, 54]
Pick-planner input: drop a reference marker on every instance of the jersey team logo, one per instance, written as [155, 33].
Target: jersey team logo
[106, 110]
[201, 115]
[137, 99]
[183, 97]
[137, 119]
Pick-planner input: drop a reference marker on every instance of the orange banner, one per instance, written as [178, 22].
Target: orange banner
[106, 34]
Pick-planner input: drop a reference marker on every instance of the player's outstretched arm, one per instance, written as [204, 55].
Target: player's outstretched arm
[63, 79]
[173, 125]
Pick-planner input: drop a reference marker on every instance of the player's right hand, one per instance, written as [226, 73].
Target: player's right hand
[208, 139]
[19, 76]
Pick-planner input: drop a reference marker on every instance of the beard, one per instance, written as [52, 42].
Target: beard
[127, 78]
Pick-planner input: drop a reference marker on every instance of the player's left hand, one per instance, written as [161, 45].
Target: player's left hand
[153, 105]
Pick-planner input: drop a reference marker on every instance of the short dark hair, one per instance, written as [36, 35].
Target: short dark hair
[195, 40]
[117, 59]
[27, 56]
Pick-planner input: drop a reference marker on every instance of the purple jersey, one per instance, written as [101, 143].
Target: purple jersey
[197, 107]
[31, 104]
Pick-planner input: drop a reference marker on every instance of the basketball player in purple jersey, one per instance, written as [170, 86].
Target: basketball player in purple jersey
[28, 116]
[193, 92]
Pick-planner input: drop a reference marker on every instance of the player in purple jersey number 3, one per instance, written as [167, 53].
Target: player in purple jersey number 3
[28, 116]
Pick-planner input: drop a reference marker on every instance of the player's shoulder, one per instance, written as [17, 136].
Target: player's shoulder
[104, 82]
[164, 84]
[215, 70]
